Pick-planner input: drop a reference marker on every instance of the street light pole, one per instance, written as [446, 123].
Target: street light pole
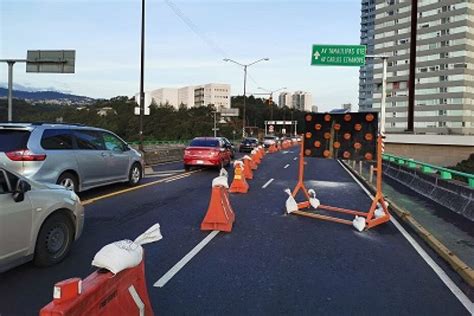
[142, 69]
[10, 89]
[245, 66]
[270, 102]
[245, 102]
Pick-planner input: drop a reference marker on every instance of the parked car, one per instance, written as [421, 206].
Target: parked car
[75, 156]
[230, 146]
[269, 140]
[207, 151]
[38, 221]
[248, 144]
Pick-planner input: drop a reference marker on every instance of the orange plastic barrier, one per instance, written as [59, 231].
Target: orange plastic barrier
[248, 169]
[253, 163]
[239, 184]
[220, 215]
[257, 157]
[272, 149]
[102, 293]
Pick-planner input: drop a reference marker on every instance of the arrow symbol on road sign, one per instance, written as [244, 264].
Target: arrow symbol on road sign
[316, 55]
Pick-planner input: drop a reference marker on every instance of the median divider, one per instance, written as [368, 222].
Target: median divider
[247, 167]
[220, 215]
[239, 184]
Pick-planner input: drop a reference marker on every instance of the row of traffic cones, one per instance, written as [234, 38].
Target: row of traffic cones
[220, 215]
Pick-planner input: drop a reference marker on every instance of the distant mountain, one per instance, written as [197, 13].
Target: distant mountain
[47, 97]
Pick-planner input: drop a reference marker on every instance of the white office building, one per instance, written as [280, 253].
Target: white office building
[164, 96]
[201, 95]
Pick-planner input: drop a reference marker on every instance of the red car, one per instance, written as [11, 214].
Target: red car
[207, 151]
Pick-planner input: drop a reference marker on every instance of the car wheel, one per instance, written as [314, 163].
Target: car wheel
[54, 240]
[135, 174]
[187, 167]
[69, 181]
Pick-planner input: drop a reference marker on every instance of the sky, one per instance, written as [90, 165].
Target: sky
[106, 37]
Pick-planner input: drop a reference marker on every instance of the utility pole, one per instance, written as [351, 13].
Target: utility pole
[10, 89]
[411, 76]
[245, 66]
[142, 66]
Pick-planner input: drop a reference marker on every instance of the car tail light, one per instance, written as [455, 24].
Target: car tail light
[25, 155]
[187, 152]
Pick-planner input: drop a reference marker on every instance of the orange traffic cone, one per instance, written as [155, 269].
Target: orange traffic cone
[220, 215]
[253, 163]
[247, 168]
[256, 156]
[239, 184]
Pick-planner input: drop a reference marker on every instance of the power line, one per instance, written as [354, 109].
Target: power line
[195, 29]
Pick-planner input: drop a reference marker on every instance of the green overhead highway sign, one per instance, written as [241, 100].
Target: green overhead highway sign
[338, 55]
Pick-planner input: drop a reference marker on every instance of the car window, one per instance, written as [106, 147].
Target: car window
[112, 143]
[3, 183]
[205, 143]
[11, 140]
[89, 140]
[56, 139]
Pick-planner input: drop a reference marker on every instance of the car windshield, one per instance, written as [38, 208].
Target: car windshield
[204, 143]
[249, 140]
[13, 140]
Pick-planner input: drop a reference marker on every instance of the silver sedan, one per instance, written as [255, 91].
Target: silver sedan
[38, 221]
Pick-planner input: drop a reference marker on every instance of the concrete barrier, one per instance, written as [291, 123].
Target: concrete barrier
[155, 154]
[453, 195]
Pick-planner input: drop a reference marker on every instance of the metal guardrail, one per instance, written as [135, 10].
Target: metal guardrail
[445, 173]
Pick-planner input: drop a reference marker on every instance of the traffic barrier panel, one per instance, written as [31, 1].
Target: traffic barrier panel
[102, 293]
[256, 156]
[220, 215]
[247, 168]
[253, 162]
[239, 184]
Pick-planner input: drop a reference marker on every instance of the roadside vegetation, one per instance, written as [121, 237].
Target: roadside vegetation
[164, 122]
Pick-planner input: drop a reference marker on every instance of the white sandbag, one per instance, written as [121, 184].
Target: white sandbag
[359, 223]
[291, 204]
[125, 254]
[220, 181]
[312, 199]
[379, 211]
[223, 173]
[253, 152]
[247, 157]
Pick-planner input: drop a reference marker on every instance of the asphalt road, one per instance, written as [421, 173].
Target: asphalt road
[271, 263]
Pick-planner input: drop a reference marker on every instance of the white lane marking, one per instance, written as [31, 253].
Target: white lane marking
[178, 177]
[267, 183]
[286, 166]
[436, 268]
[161, 175]
[181, 263]
[295, 158]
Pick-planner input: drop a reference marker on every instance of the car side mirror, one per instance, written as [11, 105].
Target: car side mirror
[21, 188]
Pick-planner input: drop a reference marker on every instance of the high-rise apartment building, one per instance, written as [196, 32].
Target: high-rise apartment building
[299, 100]
[284, 99]
[444, 70]
[302, 101]
[366, 72]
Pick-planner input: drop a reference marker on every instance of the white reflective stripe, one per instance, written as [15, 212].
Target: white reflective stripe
[137, 300]
[57, 292]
